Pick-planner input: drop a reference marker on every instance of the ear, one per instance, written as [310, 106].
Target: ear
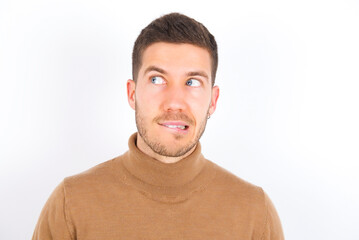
[214, 99]
[131, 87]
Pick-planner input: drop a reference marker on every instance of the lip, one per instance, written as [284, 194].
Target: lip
[178, 130]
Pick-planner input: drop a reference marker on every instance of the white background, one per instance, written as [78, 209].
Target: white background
[287, 116]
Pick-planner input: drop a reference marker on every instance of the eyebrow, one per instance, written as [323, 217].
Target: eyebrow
[154, 68]
[198, 73]
[189, 74]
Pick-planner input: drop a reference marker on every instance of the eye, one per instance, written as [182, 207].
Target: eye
[157, 80]
[193, 83]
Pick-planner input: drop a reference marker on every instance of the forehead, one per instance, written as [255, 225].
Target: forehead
[176, 57]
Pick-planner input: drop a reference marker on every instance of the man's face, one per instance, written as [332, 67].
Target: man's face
[173, 97]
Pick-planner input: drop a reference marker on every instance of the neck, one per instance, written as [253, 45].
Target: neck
[141, 144]
[170, 183]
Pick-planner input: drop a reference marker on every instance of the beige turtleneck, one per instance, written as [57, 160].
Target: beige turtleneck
[134, 196]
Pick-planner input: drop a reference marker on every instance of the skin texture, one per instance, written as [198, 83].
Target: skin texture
[173, 88]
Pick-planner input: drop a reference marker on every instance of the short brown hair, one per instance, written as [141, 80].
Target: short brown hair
[174, 28]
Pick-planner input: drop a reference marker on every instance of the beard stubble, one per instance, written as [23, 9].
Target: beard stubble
[156, 145]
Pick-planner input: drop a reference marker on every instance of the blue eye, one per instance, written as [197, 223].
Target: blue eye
[193, 83]
[157, 80]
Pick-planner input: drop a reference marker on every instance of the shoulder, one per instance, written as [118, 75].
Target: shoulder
[229, 180]
[249, 202]
[94, 179]
[237, 189]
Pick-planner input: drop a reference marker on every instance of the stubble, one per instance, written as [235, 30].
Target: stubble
[155, 144]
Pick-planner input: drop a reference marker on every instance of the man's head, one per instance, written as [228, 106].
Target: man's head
[174, 28]
[172, 91]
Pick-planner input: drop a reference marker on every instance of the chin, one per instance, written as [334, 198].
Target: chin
[173, 147]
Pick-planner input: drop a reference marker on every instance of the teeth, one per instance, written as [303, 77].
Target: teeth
[176, 126]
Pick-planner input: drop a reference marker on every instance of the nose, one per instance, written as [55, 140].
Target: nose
[175, 99]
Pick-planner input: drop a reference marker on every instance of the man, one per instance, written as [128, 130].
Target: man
[163, 187]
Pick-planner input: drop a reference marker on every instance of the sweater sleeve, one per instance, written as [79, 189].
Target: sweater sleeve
[53, 221]
[273, 227]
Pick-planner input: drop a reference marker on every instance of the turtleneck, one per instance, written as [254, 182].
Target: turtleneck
[165, 181]
[134, 196]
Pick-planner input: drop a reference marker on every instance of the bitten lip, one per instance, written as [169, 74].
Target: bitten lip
[178, 126]
[175, 123]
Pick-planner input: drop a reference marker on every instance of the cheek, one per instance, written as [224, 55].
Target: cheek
[149, 93]
[147, 102]
[199, 105]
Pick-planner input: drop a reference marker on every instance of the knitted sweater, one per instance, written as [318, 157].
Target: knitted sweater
[137, 197]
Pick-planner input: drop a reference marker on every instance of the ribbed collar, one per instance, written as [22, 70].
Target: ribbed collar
[166, 181]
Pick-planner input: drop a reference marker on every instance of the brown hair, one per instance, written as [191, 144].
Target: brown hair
[174, 28]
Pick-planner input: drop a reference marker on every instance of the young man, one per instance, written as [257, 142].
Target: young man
[163, 187]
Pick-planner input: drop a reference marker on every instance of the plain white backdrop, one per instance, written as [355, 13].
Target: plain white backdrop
[287, 117]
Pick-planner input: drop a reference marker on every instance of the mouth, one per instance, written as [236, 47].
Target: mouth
[176, 126]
